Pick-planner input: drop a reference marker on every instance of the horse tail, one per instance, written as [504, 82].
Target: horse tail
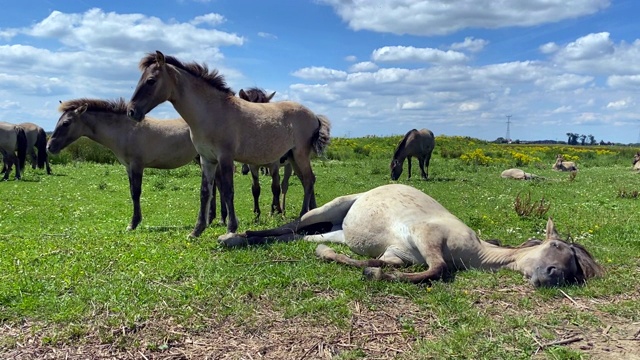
[322, 136]
[41, 144]
[22, 147]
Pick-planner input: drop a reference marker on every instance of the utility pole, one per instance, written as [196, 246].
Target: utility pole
[508, 129]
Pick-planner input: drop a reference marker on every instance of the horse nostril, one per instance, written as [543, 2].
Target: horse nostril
[551, 270]
[132, 113]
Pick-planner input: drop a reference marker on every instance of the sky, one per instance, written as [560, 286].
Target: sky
[383, 67]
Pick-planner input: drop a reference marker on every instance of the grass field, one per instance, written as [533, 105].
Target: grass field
[75, 284]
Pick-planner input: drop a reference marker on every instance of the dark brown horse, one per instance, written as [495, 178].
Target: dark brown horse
[415, 143]
[13, 147]
[225, 128]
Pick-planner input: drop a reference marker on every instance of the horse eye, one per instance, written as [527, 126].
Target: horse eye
[151, 81]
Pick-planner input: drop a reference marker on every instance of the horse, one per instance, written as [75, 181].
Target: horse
[562, 165]
[415, 143]
[225, 128]
[518, 174]
[258, 95]
[398, 225]
[37, 137]
[636, 161]
[13, 147]
[160, 144]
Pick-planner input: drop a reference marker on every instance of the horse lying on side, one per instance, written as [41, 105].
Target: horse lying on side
[518, 174]
[398, 225]
[562, 165]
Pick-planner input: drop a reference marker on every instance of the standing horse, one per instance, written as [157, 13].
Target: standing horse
[415, 143]
[399, 225]
[225, 128]
[37, 137]
[636, 161]
[160, 144]
[12, 140]
[257, 95]
[562, 165]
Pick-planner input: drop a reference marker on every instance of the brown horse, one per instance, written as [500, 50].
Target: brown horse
[636, 161]
[399, 225]
[13, 147]
[160, 144]
[36, 138]
[415, 143]
[562, 165]
[226, 128]
[258, 95]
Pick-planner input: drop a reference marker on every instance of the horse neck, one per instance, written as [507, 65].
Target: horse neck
[493, 257]
[191, 97]
[401, 153]
[106, 128]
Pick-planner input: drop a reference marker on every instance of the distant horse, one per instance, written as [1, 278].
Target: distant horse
[258, 95]
[225, 128]
[37, 137]
[13, 147]
[160, 144]
[636, 161]
[398, 225]
[517, 174]
[562, 165]
[415, 143]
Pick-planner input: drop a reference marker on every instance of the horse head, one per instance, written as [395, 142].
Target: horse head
[396, 169]
[154, 86]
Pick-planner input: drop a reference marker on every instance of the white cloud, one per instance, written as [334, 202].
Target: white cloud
[440, 17]
[412, 54]
[620, 104]
[549, 48]
[411, 105]
[588, 47]
[470, 44]
[562, 110]
[319, 73]
[210, 19]
[363, 66]
[624, 81]
[266, 35]
[351, 58]
[356, 103]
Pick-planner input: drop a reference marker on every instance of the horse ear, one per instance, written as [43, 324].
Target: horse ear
[270, 96]
[243, 95]
[551, 231]
[82, 108]
[160, 58]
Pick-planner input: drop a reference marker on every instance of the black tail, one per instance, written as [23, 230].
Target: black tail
[41, 144]
[22, 147]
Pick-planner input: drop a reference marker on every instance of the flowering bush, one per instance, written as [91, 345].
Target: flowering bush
[476, 157]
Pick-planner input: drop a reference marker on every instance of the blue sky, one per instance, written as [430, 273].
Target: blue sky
[457, 67]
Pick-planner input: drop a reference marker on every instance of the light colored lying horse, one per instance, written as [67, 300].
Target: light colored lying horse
[36, 138]
[225, 128]
[160, 144]
[562, 165]
[415, 143]
[636, 161]
[399, 225]
[13, 147]
[517, 174]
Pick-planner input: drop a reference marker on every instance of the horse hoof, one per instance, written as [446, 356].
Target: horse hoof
[372, 273]
[232, 240]
[324, 252]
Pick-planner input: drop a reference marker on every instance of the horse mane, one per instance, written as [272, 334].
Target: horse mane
[213, 77]
[118, 106]
[403, 143]
[588, 267]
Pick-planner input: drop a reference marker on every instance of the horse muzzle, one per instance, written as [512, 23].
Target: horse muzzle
[134, 114]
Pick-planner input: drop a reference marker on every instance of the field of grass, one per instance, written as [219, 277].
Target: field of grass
[75, 284]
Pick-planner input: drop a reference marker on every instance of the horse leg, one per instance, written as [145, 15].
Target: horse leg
[211, 199]
[284, 186]
[225, 166]
[135, 187]
[408, 167]
[206, 189]
[255, 189]
[223, 209]
[18, 169]
[422, 172]
[34, 159]
[433, 256]
[303, 169]
[275, 188]
[427, 160]
[326, 253]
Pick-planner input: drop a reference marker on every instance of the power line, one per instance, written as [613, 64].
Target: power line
[508, 128]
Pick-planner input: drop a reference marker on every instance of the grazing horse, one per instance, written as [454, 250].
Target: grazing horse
[257, 95]
[415, 143]
[562, 165]
[37, 137]
[636, 161]
[399, 225]
[160, 144]
[225, 128]
[12, 140]
[517, 174]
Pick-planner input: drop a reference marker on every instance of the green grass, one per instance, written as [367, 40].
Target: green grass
[69, 268]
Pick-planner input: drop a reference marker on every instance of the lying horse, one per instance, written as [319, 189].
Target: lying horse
[399, 225]
[225, 128]
[13, 147]
[562, 165]
[160, 144]
[257, 95]
[636, 161]
[415, 143]
[37, 138]
[517, 174]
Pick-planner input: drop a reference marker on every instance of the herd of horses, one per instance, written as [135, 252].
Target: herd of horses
[19, 140]
[394, 225]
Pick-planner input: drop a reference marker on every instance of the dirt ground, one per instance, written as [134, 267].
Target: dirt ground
[379, 334]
